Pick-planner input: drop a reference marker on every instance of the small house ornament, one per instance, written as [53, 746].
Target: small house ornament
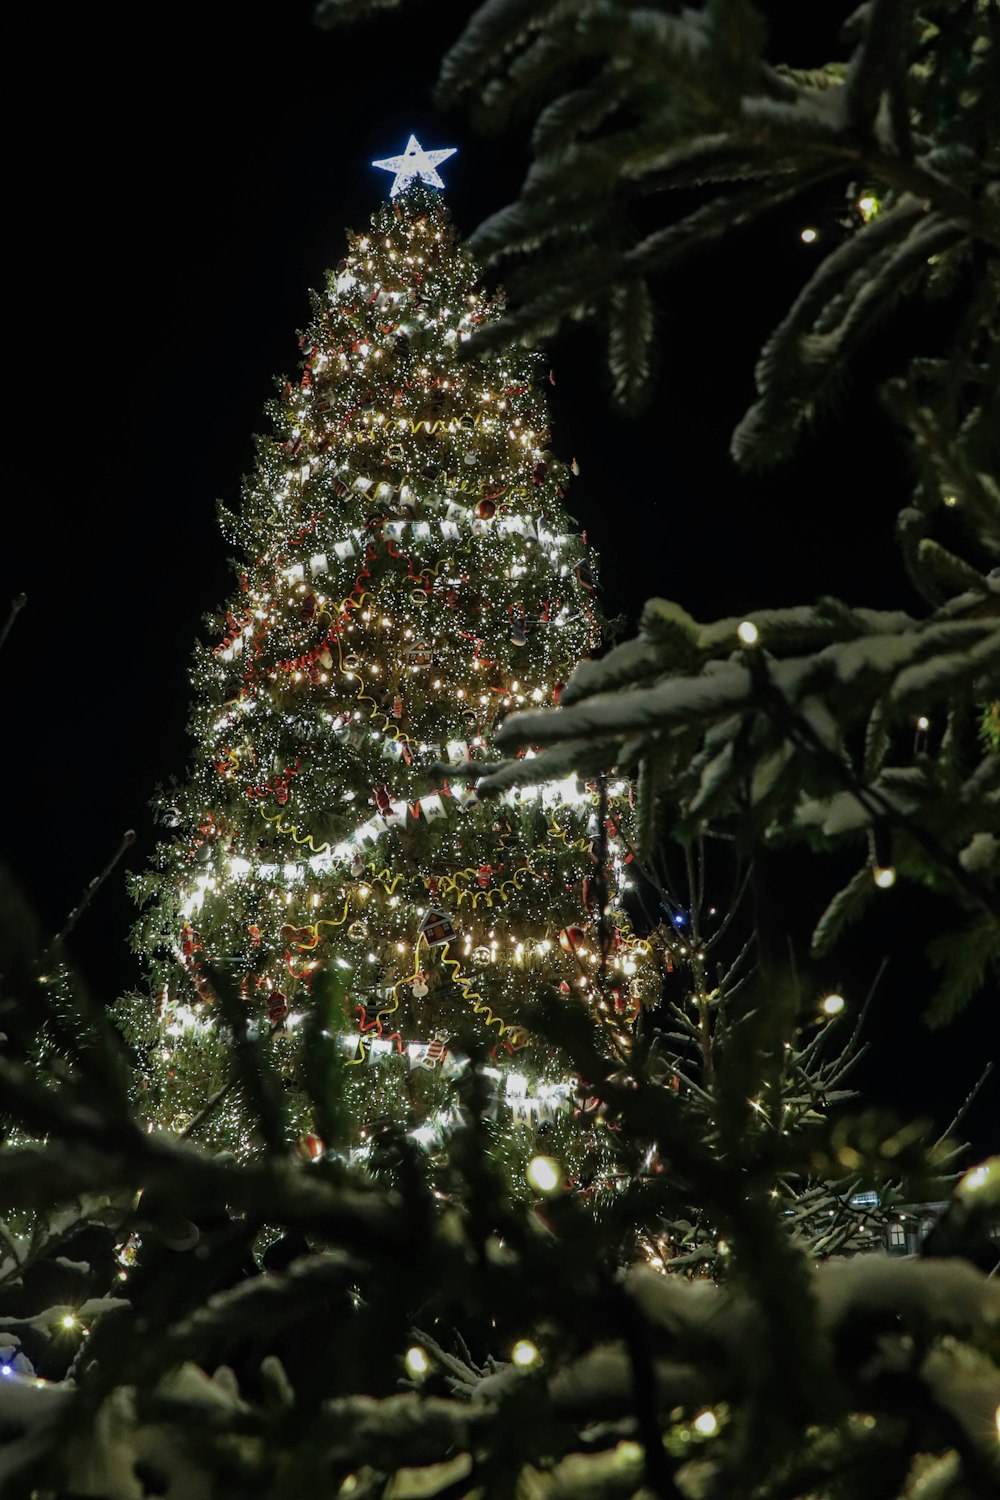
[437, 928]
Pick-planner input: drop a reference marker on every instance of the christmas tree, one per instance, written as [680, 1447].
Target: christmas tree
[407, 575]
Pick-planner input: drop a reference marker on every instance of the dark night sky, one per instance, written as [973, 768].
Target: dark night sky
[180, 183]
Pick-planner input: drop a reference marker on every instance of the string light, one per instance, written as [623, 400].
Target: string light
[748, 633]
[544, 1174]
[833, 1005]
[525, 1353]
[416, 1362]
[393, 530]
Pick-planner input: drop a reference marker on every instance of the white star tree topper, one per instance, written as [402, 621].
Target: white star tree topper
[415, 164]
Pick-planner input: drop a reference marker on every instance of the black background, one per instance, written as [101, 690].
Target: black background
[178, 183]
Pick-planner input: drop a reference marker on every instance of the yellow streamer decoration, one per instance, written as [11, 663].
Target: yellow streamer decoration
[462, 425]
[448, 885]
[479, 1005]
[563, 836]
[314, 928]
[297, 837]
[364, 1042]
[388, 727]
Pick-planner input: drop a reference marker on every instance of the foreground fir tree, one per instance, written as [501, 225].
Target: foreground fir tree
[144, 1352]
[407, 575]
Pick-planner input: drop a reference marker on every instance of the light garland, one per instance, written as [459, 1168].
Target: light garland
[409, 576]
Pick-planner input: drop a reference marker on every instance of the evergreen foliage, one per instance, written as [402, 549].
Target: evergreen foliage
[199, 1324]
[332, 899]
[181, 1323]
[830, 724]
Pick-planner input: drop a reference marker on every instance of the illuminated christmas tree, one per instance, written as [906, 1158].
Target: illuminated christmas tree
[407, 575]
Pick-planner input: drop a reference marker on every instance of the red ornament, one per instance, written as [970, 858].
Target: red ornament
[486, 509]
[483, 876]
[255, 935]
[564, 988]
[587, 892]
[277, 1007]
[382, 801]
[557, 691]
[397, 707]
[570, 938]
[311, 1146]
[437, 1051]
[281, 795]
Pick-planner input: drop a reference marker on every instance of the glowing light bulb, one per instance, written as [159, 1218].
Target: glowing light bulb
[923, 722]
[416, 1361]
[884, 876]
[809, 236]
[706, 1424]
[975, 1179]
[544, 1174]
[833, 1005]
[68, 1321]
[748, 632]
[524, 1353]
[868, 206]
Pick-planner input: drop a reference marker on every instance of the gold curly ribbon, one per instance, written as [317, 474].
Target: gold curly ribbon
[228, 770]
[296, 836]
[362, 697]
[389, 1009]
[563, 836]
[462, 425]
[313, 928]
[448, 884]
[479, 1005]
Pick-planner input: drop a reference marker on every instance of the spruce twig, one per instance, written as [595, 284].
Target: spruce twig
[16, 605]
[128, 839]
